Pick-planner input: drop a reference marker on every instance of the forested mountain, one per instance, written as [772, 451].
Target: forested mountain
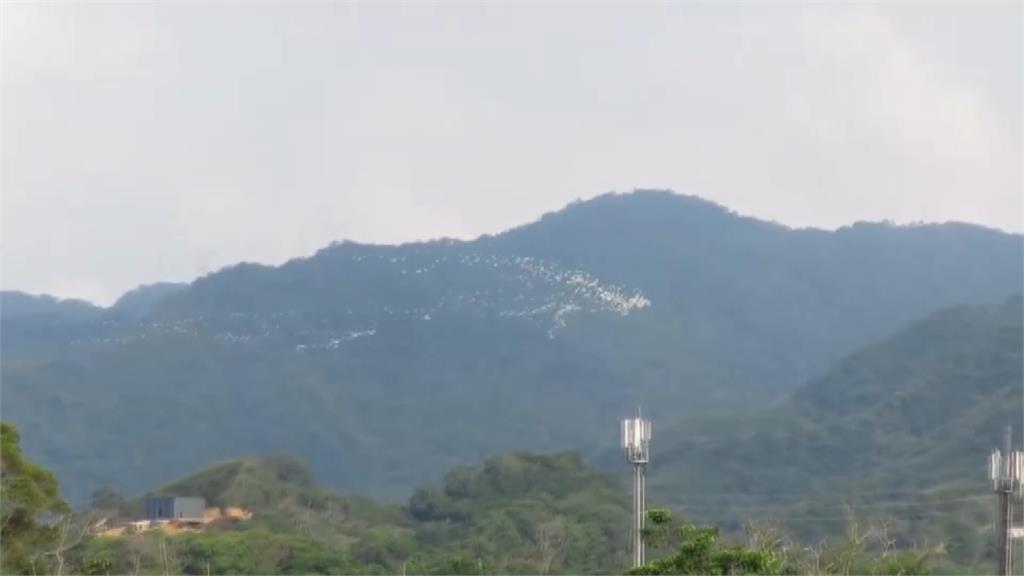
[383, 366]
[901, 429]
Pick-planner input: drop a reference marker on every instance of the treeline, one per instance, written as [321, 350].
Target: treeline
[519, 513]
[691, 549]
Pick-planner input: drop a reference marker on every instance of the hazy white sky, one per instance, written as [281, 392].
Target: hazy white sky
[156, 141]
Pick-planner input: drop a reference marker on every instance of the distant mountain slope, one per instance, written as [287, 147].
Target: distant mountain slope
[14, 304]
[37, 327]
[901, 427]
[411, 359]
[765, 305]
[139, 303]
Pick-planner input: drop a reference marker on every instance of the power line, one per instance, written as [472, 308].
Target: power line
[804, 514]
[725, 500]
[804, 496]
[836, 505]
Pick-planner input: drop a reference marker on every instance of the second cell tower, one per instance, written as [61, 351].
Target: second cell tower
[1006, 471]
[636, 440]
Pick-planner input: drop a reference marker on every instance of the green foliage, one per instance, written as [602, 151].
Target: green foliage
[520, 513]
[659, 527]
[454, 565]
[283, 497]
[383, 547]
[212, 552]
[659, 516]
[29, 496]
[699, 551]
[257, 552]
[901, 564]
[98, 564]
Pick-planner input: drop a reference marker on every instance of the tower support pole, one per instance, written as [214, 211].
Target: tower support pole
[1005, 529]
[1004, 496]
[638, 514]
[643, 512]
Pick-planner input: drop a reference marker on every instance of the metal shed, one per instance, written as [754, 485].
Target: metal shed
[174, 508]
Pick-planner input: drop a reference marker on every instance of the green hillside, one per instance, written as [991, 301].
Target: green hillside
[384, 366]
[283, 497]
[526, 513]
[899, 429]
[519, 513]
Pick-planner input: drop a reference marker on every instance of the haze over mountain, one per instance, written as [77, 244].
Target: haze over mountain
[385, 365]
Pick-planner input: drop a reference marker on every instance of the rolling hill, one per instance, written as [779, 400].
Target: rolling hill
[901, 428]
[518, 513]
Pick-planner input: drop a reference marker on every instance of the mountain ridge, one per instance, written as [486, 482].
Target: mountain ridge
[536, 339]
[708, 204]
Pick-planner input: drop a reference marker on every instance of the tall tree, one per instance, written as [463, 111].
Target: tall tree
[30, 508]
[700, 551]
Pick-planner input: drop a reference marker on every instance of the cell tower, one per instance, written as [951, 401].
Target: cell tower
[636, 440]
[1006, 472]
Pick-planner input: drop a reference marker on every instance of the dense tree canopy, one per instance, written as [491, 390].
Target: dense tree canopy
[30, 504]
[699, 550]
[695, 549]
